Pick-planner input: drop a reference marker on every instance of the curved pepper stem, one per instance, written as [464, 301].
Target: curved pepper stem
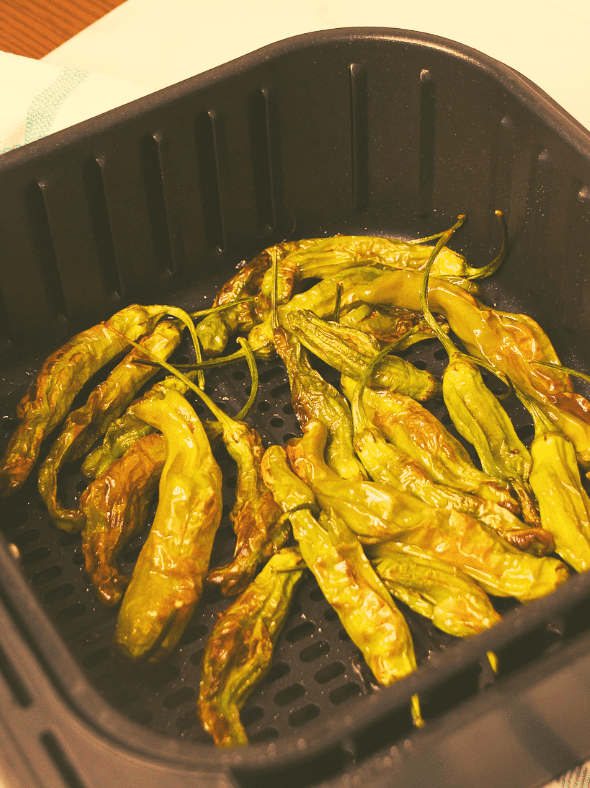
[491, 268]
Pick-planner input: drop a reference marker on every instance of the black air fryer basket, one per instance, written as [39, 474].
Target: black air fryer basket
[365, 131]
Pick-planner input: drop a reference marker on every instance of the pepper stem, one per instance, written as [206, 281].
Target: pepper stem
[445, 340]
[254, 374]
[491, 268]
[212, 309]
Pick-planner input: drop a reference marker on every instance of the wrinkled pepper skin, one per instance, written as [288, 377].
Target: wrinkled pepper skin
[62, 376]
[349, 351]
[128, 428]
[388, 324]
[239, 650]
[255, 516]
[510, 343]
[88, 423]
[314, 398]
[563, 503]
[415, 431]
[479, 417]
[321, 299]
[115, 507]
[499, 569]
[379, 513]
[386, 464]
[441, 592]
[167, 581]
[349, 583]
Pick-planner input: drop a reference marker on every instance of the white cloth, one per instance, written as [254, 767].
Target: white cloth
[38, 98]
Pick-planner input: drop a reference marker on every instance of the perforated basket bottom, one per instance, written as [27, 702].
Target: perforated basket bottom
[316, 671]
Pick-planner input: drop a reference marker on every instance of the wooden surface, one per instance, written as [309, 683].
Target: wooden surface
[35, 27]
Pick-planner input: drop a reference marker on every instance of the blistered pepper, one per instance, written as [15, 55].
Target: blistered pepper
[379, 513]
[240, 647]
[479, 417]
[348, 581]
[350, 351]
[421, 436]
[314, 398]
[388, 324]
[89, 422]
[62, 376]
[167, 581]
[437, 590]
[115, 507]
[387, 464]
[564, 505]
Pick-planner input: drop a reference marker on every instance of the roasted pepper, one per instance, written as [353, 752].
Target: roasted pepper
[349, 351]
[314, 398]
[436, 590]
[62, 376]
[387, 464]
[421, 436]
[88, 423]
[239, 650]
[349, 583]
[115, 507]
[563, 503]
[479, 417]
[168, 578]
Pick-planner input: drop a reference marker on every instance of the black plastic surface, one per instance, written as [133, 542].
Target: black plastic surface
[368, 131]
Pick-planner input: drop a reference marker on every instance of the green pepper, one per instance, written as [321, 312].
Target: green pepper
[387, 464]
[62, 376]
[321, 299]
[378, 513]
[89, 422]
[436, 590]
[420, 435]
[314, 398]
[511, 344]
[563, 503]
[115, 507]
[168, 578]
[349, 351]
[239, 649]
[349, 583]
[389, 324]
[479, 417]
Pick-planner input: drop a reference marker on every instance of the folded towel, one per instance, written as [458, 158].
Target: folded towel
[38, 98]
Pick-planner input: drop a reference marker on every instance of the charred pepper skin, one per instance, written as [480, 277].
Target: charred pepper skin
[451, 599]
[62, 376]
[314, 398]
[255, 516]
[88, 423]
[116, 507]
[378, 513]
[239, 650]
[350, 351]
[167, 581]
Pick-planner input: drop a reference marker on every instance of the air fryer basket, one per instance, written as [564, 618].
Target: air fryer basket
[358, 131]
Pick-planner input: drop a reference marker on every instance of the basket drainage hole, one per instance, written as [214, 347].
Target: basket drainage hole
[330, 614]
[344, 693]
[26, 538]
[239, 374]
[179, 697]
[304, 715]
[315, 651]
[419, 364]
[301, 631]
[316, 595]
[39, 554]
[45, 575]
[287, 436]
[440, 355]
[525, 432]
[276, 422]
[57, 594]
[277, 672]
[264, 406]
[323, 675]
[266, 734]
[72, 612]
[289, 694]
[251, 715]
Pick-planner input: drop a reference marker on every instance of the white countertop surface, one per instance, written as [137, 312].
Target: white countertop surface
[156, 43]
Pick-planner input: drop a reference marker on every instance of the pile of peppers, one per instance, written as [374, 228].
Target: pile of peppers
[375, 498]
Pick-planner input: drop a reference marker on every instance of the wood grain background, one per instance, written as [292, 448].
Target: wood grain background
[35, 27]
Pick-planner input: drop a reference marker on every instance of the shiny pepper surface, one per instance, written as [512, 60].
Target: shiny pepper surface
[510, 343]
[115, 507]
[240, 647]
[62, 376]
[105, 404]
[167, 581]
[450, 598]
